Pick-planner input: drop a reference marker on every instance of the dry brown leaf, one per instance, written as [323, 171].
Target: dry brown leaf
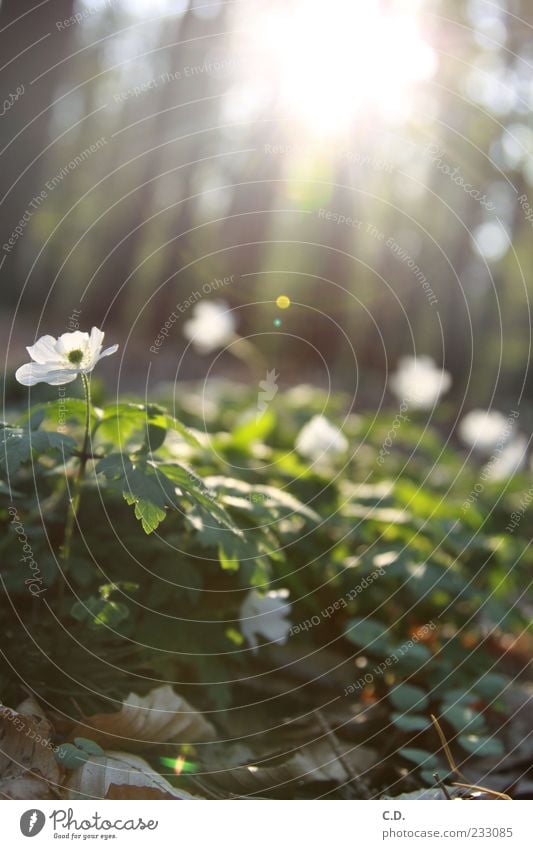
[120, 775]
[160, 717]
[318, 761]
[28, 768]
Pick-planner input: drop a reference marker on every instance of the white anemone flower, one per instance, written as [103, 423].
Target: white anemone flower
[419, 381]
[212, 326]
[509, 461]
[484, 429]
[265, 615]
[60, 361]
[320, 440]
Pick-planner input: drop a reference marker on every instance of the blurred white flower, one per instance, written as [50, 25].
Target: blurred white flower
[265, 615]
[419, 381]
[509, 461]
[484, 429]
[60, 361]
[212, 326]
[319, 439]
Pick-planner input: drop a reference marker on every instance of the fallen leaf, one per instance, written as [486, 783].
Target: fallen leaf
[315, 762]
[160, 717]
[120, 775]
[28, 769]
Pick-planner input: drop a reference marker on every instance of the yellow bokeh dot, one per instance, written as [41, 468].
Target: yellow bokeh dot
[283, 302]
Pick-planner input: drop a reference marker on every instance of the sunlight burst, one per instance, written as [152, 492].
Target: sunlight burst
[330, 62]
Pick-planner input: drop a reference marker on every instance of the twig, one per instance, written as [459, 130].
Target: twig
[355, 780]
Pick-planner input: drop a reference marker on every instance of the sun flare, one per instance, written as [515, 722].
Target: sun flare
[331, 62]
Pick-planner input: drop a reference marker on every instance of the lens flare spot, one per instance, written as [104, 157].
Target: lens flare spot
[277, 322]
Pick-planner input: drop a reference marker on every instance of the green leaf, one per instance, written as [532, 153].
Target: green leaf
[18, 446]
[70, 756]
[252, 427]
[367, 633]
[230, 564]
[123, 423]
[145, 492]
[419, 756]
[54, 413]
[142, 486]
[410, 722]
[491, 685]
[482, 747]
[413, 658]
[155, 436]
[463, 718]
[192, 485]
[89, 746]
[406, 697]
[100, 612]
[259, 499]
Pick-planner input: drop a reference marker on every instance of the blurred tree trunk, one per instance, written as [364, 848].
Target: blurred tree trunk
[30, 43]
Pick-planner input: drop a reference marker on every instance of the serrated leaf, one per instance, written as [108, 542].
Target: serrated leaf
[18, 445]
[230, 564]
[121, 421]
[192, 485]
[260, 498]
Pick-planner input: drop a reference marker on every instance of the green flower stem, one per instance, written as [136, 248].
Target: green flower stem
[76, 490]
[246, 351]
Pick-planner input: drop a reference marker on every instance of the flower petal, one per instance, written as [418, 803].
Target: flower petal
[44, 350]
[95, 341]
[108, 351]
[71, 341]
[31, 373]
